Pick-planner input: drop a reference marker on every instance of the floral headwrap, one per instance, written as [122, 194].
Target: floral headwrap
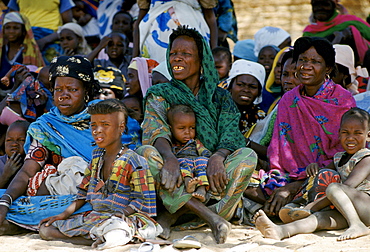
[77, 67]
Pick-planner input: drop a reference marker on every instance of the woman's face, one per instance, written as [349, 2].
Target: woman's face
[107, 94]
[132, 82]
[311, 68]
[184, 60]
[69, 40]
[277, 70]
[13, 32]
[69, 95]
[244, 89]
[288, 78]
[116, 48]
[121, 23]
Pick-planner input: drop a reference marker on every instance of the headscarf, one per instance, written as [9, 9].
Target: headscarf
[255, 69]
[144, 69]
[269, 35]
[83, 47]
[216, 113]
[109, 77]
[344, 55]
[77, 67]
[31, 53]
[244, 49]
[271, 79]
[162, 69]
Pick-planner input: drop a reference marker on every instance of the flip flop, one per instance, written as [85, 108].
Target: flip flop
[146, 247]
[185, 243]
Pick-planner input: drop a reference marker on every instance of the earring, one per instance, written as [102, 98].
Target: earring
[295, 75]
[87, 98]
[327, 76]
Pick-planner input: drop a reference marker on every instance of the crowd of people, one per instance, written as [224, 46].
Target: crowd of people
[123, 119]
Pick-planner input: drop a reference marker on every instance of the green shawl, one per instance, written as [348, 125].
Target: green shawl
[216, 113]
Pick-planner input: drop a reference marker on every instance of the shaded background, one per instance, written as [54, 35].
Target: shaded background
[291, 15]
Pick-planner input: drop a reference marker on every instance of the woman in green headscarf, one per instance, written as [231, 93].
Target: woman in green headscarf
[194, 83]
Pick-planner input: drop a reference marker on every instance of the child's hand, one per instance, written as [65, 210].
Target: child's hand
[104, 41]
[51, 219]
[69, 52]
[312, 169]
[12, 165]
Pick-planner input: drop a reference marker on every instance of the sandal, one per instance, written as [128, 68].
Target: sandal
[146, 247]
[185, 243]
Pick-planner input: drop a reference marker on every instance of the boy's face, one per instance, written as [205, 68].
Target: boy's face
[223, 66]
[116, 48]
[353, 134]
[183, 127]
[14, 141]
[266, 58]
[134, 104]
[121, 23]
[106, 129]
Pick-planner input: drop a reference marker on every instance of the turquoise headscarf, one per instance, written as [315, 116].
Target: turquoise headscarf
[216, 113]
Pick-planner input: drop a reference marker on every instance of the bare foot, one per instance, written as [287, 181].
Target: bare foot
[166, 220]
[192, 184]
[354, 231]
[220, 229]
[200, 193]
[267, 227]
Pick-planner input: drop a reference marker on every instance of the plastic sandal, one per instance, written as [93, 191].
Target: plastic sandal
[185, 243]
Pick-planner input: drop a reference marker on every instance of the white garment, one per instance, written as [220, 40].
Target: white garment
[154, 36]
[269, 35]
[69, 176]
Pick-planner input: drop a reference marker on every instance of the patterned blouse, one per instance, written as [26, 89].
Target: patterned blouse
[130, 184]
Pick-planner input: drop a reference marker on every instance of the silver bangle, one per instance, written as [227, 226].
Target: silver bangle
[10, 197]
[2, 203]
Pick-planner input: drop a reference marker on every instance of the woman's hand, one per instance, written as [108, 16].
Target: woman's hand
[312, 169]
[279, 198]
[170, 174]
[282, 196]
[216, 173]
[48, 221]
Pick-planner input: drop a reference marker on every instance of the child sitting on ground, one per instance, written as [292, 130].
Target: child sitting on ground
[350, 198]
[118, 180]
[191, 154]
[12, 161]
[223, 62]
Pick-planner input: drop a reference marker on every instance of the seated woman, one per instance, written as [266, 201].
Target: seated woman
[313, 108]
[194, 83]
[139, 76]
[17, 45]
[60, 134]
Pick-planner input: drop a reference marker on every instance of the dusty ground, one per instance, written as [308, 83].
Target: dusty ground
[241, 239]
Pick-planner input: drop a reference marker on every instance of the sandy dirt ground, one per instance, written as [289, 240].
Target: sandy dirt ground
[241, 239]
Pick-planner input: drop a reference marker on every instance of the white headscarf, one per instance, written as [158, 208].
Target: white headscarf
[269, 35]
[344, 55]
[13, 17]
[242, 66]
[83, 48]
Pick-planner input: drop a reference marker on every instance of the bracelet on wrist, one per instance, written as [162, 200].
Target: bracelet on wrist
[10, 197]
[2, 203]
